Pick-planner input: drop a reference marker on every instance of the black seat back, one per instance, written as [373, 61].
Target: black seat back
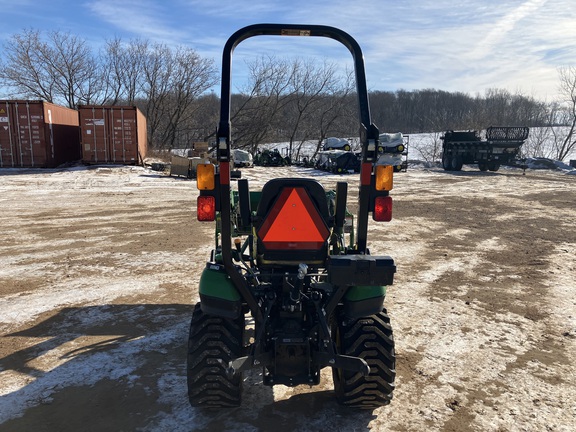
[293, 222]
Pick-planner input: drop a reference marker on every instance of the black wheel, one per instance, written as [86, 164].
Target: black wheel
[371, 339]
[212, 343]
[482, 166]
[456, 163]
[446, 162]
[493, 166]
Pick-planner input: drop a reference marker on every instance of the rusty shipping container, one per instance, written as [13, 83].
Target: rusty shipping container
[112, 134]
[37, 134]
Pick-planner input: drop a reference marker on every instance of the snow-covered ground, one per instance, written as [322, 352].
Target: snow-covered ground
[99, 270]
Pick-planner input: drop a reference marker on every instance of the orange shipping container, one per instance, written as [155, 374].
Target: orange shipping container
[37, 134]
[112, 134]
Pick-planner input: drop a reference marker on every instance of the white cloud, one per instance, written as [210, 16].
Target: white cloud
[462, 45]
[470, 47]
[497, 32]
[143, 18]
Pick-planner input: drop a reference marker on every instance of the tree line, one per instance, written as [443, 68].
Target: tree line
[283, 100]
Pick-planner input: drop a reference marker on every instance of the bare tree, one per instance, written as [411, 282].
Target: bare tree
[59, 69]
[285, 100]
[537, 143]
[565, 138]
[124, 70]
[72, 66]
[430, 148]
[202, 125]
[289, 100]
[22, 70]
[173, 82]
[308, 84]
[337, 114]
[256, 111]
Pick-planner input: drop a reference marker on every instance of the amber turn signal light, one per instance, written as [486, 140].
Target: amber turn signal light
[205, 174]
[384, 177]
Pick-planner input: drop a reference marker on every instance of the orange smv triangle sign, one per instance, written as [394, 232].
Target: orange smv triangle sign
[293, 223]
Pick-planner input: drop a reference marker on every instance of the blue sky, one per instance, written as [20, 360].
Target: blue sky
[452, 45]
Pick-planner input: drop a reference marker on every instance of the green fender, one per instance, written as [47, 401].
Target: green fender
[218, 295]
[361, 301]
[358, 293]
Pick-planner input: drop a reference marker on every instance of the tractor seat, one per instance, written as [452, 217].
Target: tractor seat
[292, 223]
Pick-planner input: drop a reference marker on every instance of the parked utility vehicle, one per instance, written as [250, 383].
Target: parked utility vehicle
[501, 146]
[291, 287]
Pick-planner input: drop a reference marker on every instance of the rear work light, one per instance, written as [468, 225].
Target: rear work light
[206, 208]
[384, 177]
[382, 209]
[205, 175]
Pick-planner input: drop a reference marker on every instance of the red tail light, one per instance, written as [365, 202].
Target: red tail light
[206, 208]
[382, 209]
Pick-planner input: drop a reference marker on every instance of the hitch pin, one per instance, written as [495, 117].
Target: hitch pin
[295, 292]
[302, 271]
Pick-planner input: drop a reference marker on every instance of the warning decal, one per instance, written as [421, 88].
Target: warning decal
[293, 223]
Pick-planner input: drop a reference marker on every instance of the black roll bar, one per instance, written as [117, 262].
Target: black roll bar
[368, 131]
[348, 41]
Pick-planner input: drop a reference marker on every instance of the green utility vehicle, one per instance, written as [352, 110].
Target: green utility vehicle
[291, 287]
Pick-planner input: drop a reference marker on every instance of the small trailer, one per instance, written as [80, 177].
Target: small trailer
[501, 146]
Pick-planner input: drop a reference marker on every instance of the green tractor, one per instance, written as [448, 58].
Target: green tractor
[290, 287]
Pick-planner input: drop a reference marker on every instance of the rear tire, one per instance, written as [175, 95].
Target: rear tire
[369, 338]
[212, 343]
[457, 163]
[446, 163]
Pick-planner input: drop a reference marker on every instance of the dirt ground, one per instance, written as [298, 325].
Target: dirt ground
[99, 270]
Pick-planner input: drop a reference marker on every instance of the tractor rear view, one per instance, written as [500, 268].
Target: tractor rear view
[290, 287]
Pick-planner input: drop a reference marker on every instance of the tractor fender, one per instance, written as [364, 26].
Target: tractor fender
[218, 295]
[360, 301]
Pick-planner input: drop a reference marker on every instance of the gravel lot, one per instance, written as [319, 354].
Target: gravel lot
[99, 270]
